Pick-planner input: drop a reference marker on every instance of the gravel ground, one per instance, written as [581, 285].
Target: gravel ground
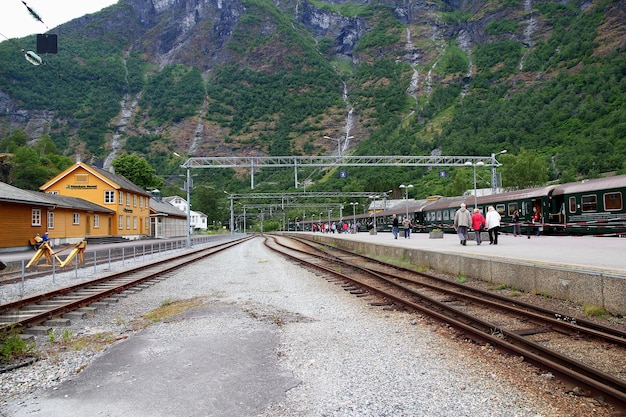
[351, 359]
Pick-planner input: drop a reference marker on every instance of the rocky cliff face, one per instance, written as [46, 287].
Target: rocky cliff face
[432, 45]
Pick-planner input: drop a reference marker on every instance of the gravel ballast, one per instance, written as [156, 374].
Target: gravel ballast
[329, 354]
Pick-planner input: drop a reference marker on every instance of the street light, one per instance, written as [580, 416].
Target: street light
[373, 198]
[354, 215]
[187, 186]
[406, 196]
[479, 164]
[338, 143]
[494, 178]
[385, 199]
[329, 211]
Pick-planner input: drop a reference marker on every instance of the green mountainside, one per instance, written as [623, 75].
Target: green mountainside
[545, 80]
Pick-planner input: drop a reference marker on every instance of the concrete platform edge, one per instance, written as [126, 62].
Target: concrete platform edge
[583, 287]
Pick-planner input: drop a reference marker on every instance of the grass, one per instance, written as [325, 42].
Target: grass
[12, 346]
[594, 311]
[461, 279]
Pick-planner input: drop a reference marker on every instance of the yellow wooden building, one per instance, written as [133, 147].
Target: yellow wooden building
[24, 214]
[130, 203]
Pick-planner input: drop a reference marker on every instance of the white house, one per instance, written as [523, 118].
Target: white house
[198, 219]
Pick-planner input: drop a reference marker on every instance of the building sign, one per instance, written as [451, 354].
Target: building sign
[81, 187]
[127, 210]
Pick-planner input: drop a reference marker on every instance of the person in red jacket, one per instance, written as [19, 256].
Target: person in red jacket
[478, 223]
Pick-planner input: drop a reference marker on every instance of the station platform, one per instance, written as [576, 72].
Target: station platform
[586, 270]
[597, 254]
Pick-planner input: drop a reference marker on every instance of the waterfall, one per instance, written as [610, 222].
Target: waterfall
[528, 31]
[127, 107]
[349, 118]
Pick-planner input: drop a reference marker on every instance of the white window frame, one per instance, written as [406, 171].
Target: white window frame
[51, 220]
[35, 219]
[75, 218]
[96, 221]
[109, 197]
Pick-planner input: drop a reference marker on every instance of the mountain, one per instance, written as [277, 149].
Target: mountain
[255, 77]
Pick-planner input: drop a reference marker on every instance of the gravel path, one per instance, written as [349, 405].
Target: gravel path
[348, 358]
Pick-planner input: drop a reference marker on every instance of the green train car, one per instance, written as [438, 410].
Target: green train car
[589, 207]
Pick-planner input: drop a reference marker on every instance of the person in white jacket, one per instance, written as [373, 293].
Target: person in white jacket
[492, 219]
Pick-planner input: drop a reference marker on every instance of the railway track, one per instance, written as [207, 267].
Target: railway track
[31, 312]
[570, 348]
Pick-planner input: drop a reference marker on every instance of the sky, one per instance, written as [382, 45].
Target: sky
[17, 22]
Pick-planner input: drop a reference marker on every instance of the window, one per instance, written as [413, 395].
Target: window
[128, 199]
[53, 192]
[572, 204]
[146, 223]
[500, 209]
[120, 222]
[81, 178]
[36, 217]
[134, 200]
[512, 208]
[50, 220]
[121, 198]
[140, 201]
[590, 202]
[613, 201]
[109, 197]
[134, 222]
[96, 221]
[76, 218]
[128, 222]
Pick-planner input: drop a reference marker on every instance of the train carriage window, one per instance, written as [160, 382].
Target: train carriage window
[590, 203]
[613, 201]
[439, 215]
[512, 207]
[500, 209]
[446, 215]
[572, 204]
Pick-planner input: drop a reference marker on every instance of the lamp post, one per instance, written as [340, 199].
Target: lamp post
[354, 215]
[232, 212]
[329, 211]
[187, 187]
[373, 198]
[474, 165]
[385, 199]
[406, 196]
[494, 178]
[338, 143]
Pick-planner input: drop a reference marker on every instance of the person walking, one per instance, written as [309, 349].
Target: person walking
[394, 226]
[462, 223]
[478, 222]
[517, 229]
[493, 225]
[406, 224]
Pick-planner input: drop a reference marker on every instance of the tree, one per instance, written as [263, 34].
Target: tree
[137, 170]
[28, 172]
[524, 170]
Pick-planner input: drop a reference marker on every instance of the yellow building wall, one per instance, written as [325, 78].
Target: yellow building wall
[134, 208]
[16, 224]
[67, 231]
